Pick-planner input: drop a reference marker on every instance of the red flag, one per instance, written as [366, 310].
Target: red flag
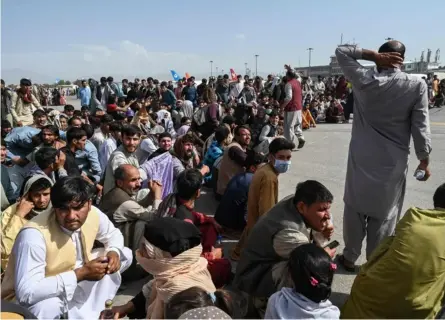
[233, 74]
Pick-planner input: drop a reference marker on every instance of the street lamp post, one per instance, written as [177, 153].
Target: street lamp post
[256, 64]
[310, 56]
[211, 68]
[217, 70]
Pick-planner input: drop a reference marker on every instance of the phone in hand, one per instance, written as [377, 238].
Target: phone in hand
[334, 244]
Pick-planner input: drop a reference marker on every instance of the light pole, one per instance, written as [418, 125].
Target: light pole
[256, 64]
[245, 66]
[211, 67]
[217, 70]
[310, 55]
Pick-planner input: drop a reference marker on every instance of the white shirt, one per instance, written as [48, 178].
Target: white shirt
[46, 297]
[98, 138]
[105, 151]
[146, 148]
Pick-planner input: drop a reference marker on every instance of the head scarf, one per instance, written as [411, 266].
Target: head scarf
[28, 184]
[205, 313]
[172, 273]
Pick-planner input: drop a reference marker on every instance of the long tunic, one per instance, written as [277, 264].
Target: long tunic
[49, 297]
[389, 107]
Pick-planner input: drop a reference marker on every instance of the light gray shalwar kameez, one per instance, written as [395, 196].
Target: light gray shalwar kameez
[389, 108]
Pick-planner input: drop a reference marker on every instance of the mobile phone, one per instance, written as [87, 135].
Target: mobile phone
[334, 244]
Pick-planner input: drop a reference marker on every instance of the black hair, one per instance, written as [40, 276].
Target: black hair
[149, 79]
[75, 133]
[311, 191]
[110, 79]
[279, 144]
[119, 173]
[2, 82]
[6, 124]
[221, 133]
[77, 113]
[115, 127]
[68, 189]
[124, 80]
[111, 99]
[184, 119]
[106, 118]
[164, 135]
[38, 185]
[191, 298]
[89, 130]
[50, 127]
[39, 113]
[239, 128]
[188, 183]
[70, 121]
[44, 157]
[122, 99]
[312, 271]
[439, 197]
[131, 130]
[68, 107]
[196, 297]
[163, 83]
[84, 108]
[393, 46]
[273, 114]
[187, 138]
[254, 159]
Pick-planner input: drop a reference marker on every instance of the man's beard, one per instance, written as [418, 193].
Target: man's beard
[188, 155]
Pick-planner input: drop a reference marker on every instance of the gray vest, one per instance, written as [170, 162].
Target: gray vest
[254, 270]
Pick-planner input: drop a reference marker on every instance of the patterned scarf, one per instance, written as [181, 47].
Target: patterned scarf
[26, 97]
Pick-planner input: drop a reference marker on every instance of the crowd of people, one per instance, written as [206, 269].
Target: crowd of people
[108, 193]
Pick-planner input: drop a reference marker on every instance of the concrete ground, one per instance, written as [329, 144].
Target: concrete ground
[324, 158]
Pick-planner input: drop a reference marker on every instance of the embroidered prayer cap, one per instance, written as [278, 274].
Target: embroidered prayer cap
[205, 313]
[172, 235]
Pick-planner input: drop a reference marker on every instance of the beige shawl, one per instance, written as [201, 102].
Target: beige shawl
[172, 275]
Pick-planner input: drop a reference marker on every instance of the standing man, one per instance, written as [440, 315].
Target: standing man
[85, 95]
[390, 107]
[23, 104]
[293, 116]
[6, 102]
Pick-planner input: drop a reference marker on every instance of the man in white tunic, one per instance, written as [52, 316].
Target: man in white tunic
[53, 270]
[390, 106]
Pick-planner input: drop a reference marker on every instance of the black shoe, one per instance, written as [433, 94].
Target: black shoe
[301, 143]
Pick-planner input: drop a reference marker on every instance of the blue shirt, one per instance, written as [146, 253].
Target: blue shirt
[88, 161]
[85, 96]
[232, 209]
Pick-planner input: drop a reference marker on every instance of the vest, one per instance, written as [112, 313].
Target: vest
[228, 169]
[271, 134]
[254, 270]
[60, 249]
[295, 103]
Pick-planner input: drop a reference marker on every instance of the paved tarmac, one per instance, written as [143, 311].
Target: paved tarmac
[324, 158]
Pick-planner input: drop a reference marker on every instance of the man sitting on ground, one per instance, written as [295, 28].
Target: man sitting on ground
[50, 163]
[405, 275]
[34, 200]
[262, 269]
[53, 270]
[232, 209]
[127, 214]
[180, 205]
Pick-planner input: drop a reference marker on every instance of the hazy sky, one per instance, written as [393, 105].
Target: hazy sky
[70, 39]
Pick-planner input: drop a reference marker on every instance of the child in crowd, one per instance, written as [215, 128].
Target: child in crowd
[312, 271]
[223, 304]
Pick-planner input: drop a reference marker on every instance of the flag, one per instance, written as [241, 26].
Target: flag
[187, 75]
[175, 76]
[233, 74]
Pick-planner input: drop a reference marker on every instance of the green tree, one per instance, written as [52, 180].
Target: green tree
[61, 82]
[67, 82]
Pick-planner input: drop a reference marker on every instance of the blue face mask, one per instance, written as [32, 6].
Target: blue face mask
[281, 166]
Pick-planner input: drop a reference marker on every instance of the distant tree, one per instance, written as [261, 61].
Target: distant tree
[67, 82]
[61, 82]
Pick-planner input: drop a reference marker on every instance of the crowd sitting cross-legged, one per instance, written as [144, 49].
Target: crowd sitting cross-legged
[113, 193]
